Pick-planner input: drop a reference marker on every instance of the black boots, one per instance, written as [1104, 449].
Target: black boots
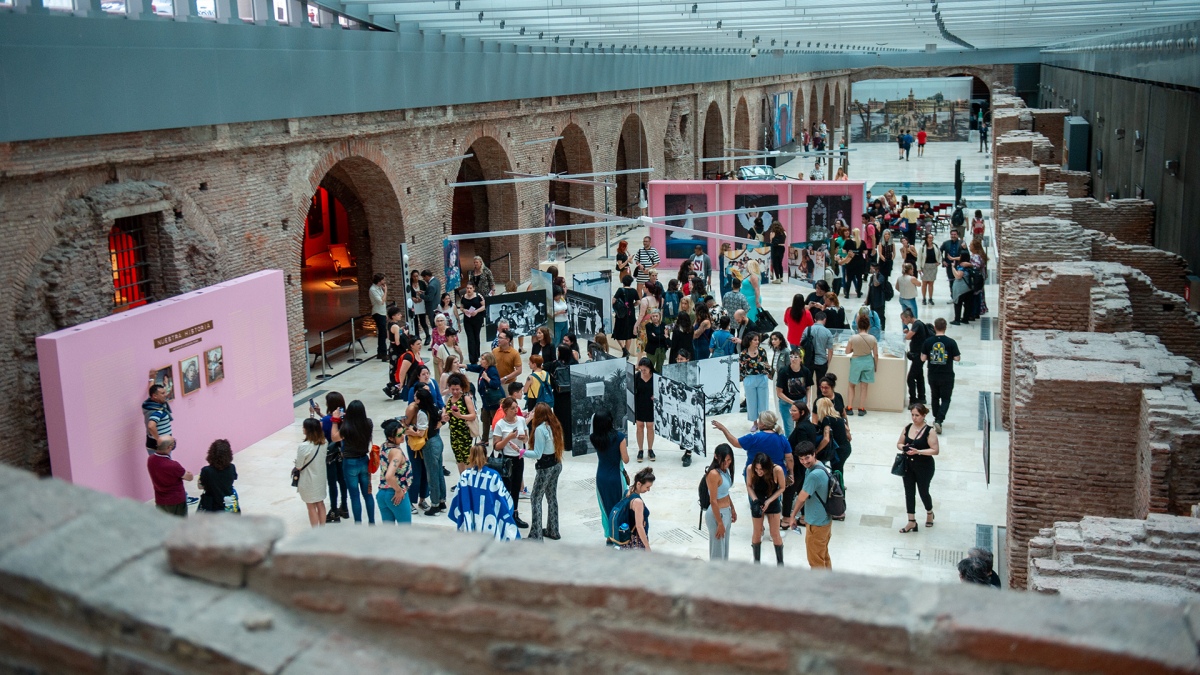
[779, 555]
[757, 552]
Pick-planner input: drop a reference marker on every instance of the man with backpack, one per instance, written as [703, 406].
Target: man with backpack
[817, 343]
[916, 332]
[830, 500]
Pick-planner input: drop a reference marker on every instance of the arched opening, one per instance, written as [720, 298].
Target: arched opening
[632, 153]
[572, 155]
[800, 110]
[352, 199]
[981, 99]
[813, 109]
[714, 142]
[127, 251]
[837, 107]
[486, 208]
[827, 107]
[741, 131]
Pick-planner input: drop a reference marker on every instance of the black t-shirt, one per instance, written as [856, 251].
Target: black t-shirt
[794, 385]
[939, 352]
[473, 303]
[217, 486]
[838, 404]
[835, 318]
[805, 431]
[837, 429]
[921, 332]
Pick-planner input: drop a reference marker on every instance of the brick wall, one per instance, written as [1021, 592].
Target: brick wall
[1049, 123]
[231, 594]
[1169, 452]
[1078, 183]
[1166, 270]
[1148, 560]
[1064, 386]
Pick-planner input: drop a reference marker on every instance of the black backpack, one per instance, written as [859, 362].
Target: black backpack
[888, 291]
[835, 502]
[704, 496]
[622, 307]
[808, 345]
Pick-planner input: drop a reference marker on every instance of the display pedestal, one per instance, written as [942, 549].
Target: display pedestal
[886, 393]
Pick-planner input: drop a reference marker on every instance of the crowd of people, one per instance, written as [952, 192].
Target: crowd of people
[505, 405]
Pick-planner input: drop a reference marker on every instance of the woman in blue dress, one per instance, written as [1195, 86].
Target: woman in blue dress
[611, 455]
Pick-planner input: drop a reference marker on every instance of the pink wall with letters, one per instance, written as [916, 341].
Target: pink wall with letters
[96, 375]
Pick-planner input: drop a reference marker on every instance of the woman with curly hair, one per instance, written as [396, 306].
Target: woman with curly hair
[217, 478]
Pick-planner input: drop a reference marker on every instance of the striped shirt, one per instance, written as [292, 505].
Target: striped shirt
[645, 258]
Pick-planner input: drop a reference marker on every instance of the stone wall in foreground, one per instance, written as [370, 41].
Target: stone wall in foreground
[91, 583]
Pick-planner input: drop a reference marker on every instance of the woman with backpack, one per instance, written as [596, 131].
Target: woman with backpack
[625, 303]
[918, 444]
[719, 514]
[765, 483]
[407, 370]
[547, 449]
[643, 409]
[537, 386]
[637, 521]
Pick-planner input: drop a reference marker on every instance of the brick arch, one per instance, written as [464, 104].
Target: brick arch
[814, 107]
[486, 208]
[800, 112]
[826, 107]
[988, 74]
[572, 154]
[633, 152]
[837, 106]
[713, 144]
[741, 130]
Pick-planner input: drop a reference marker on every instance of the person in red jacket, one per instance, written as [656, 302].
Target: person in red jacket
[797, 318]
[921, 138]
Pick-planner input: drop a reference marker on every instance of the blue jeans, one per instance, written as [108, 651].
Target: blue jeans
[758, 396]
[420, 481]
[785, 415]
[434, 479]
[401, 513]
[910, 303]
[560, 332]
[358, 482]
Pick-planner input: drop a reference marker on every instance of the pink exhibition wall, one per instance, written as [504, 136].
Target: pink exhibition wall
[96, 375]
[670, 197]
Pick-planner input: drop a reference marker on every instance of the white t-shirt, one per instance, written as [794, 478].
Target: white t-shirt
[504, 428]
[560, 310]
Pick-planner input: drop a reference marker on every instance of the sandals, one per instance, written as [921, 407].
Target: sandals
[928, 519]
[910, 527]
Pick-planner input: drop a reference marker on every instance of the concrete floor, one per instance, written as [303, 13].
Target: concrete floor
[866, 542]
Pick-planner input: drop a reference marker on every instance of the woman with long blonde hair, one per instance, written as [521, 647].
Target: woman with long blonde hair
[547, 435]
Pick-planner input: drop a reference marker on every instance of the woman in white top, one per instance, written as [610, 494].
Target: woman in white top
[447, 307]
[907, 287]
[560, 316]
[508, 440]
[310, 461]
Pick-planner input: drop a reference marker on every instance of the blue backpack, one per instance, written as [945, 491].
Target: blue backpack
[621, 520]
[545, 391]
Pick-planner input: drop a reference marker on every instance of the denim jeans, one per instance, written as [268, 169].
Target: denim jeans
[434, 478]
[758, 396]
[420, 480]
[560, 332]
[358, 481]
[401, 513]
[909, 303]
[336, 481]
[785, 417]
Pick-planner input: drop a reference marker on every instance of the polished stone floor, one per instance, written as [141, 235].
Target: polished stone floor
[866, 542]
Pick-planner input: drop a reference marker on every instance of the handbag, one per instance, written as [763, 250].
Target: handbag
[296, 472]
[501, 464]
[899, 464]
[475, 427]
[764, 322]
[415, 443]
[492, 396]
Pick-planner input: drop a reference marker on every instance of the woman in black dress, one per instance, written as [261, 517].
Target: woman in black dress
[560, 378]
[681, 337]
[217, 478]
[919, 444]
[643, 406]
[625, 304]
[857, 267]
[622, 258]
[472, 305]
[778, 238]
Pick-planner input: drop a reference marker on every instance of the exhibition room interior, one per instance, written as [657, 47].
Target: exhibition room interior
[198, 196]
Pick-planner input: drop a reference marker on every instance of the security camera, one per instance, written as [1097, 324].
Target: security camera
[754, 52]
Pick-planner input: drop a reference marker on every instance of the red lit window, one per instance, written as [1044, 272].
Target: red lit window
[127, 251]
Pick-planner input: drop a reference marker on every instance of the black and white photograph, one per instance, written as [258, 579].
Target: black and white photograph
[525, 312]
[585, 315]
[679, 414]
[603, 385]
[719, 379]
[754, 224]
[631, 372]
[597, 285]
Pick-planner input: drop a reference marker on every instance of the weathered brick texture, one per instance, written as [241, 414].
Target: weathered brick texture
[1152, 560]
[1049, 123]
[1069, 455]
[427, 600]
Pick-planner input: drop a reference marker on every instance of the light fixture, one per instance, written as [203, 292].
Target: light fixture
[1139, 143]
[1172, 167]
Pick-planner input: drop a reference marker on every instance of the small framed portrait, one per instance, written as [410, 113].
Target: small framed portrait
[214, 365]
[165, 379]
[189, 374]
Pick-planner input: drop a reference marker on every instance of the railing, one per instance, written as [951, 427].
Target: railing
[507, 256]
[333, 339]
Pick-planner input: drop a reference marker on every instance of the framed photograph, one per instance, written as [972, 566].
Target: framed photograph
[214, 365]
[189, 374]
[164, 378]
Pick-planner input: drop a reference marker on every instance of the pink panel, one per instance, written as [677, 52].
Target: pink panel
[96, 375]
[669, 198]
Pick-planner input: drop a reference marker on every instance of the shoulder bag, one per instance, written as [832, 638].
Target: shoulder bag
[296, 472]
[474, 426]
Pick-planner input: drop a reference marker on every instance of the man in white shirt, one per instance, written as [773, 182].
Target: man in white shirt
[378, 294]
